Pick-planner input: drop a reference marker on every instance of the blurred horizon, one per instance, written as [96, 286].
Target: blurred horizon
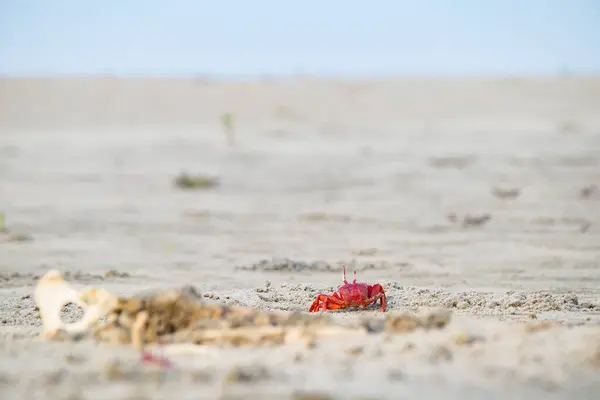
[230, 39]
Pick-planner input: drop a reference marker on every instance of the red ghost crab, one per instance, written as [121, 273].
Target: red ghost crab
[350, 295]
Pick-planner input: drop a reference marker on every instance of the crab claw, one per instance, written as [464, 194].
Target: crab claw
[376, 291]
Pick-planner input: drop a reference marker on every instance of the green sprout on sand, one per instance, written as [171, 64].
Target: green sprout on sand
[195, 182]
[228, 124]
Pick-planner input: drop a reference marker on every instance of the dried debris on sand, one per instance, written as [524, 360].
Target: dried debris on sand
[288, 265]
[187, 181]
[506, 193]
[469, 220]
[184, 316]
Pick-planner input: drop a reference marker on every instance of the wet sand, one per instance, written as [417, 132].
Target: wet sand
[479, 195]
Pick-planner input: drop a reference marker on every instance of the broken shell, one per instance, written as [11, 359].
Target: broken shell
[52, 293]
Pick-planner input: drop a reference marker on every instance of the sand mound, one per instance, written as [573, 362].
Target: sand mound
[298, 297]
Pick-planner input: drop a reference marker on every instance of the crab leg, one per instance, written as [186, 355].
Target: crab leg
[326, 302]
[372, 300]
[321, 299]
[376, 292]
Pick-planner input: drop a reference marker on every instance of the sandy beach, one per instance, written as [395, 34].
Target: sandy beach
[481, 196]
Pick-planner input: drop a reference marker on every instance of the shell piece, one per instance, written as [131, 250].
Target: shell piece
[52, 293]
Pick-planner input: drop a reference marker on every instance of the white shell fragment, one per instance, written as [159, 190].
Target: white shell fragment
[53, 293]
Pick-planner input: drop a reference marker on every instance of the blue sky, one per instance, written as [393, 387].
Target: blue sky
[264, 37]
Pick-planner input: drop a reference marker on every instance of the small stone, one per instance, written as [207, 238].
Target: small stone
[298, 358]
[200, 376]
[441, 353]
[354, 351]
[52, 378]
[408, 347]
[462, 305]
[395, 375]
[404, 323]
[73, 359]
[113, 370]
[18, 238]
[466, 339]
[246, 374]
